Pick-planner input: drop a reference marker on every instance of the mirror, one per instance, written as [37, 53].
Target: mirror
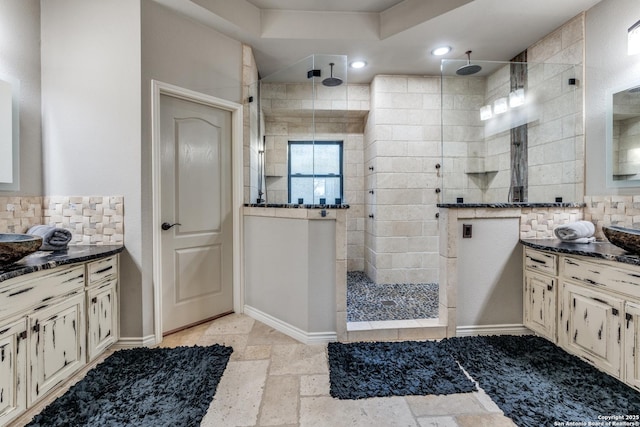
[9, 134]
[623, 137]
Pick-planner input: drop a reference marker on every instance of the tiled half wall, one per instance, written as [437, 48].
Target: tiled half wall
[93, 220]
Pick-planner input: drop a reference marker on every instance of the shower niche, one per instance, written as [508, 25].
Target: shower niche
[304, 110]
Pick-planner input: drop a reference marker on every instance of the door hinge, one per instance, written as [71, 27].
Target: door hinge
[22, 335]
[36, 328]
[615, 311]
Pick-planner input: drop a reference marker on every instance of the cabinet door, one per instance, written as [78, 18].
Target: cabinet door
[56, 344]
[632, 345]
[540, 304]
[591, 326]
[102, 317]
[13, 370]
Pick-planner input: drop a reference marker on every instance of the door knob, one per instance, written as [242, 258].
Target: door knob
[165, 225]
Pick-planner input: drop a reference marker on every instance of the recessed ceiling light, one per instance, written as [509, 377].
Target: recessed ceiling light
[439, 51]
[358, 64]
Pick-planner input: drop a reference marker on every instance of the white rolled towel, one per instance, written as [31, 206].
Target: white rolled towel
[53, 239]
[575, 230]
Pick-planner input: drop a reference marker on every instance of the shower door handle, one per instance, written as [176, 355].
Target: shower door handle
[166, 226]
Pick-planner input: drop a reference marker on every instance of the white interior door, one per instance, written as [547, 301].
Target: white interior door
[196, 196]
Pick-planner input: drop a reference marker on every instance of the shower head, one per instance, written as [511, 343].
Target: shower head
[469, 68]
[332, 81]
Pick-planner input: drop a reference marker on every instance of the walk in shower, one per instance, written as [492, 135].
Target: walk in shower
[509, 132]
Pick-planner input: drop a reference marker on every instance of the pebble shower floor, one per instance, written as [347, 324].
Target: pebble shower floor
[368, 301]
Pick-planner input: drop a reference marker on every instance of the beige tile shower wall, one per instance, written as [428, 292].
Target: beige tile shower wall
[556, 140]
[93, 220]
[464, 149]
[18, 214]
[498, 160]
[403, 146]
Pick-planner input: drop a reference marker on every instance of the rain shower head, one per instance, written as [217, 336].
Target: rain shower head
[469, 68]
[332, 81]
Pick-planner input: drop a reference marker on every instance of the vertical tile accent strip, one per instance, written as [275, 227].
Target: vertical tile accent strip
[518, 190]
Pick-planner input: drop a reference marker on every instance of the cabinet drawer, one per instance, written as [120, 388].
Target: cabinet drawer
[32, 290]
[541, 261]
[602, 275]
[102, 269]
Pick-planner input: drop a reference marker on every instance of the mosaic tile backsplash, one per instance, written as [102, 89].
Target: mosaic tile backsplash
[93, 220]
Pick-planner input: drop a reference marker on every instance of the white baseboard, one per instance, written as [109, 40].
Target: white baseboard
[131, 342]
[290, 330]
[516, 329]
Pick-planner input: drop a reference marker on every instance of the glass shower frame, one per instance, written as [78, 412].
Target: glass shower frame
[294, 105]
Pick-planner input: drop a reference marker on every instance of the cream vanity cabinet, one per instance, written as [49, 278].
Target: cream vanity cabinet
[46, 332]
[540, 293]
[13, 369]
[598, 317]
[102, 307]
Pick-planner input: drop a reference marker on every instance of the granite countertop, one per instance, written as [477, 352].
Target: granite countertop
[602, 249]
[294, 206]
[511, 205]
[46, 260]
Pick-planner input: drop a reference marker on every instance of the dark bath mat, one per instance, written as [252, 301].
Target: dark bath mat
[536, 383]
[379, 369]
[142, 387]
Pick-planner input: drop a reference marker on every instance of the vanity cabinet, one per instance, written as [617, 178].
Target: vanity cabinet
[540, 293]
[591, 326]
[598, 309]
[52, 322]
[13, 369]
[56, 344]
[632, 343]
[102, 308]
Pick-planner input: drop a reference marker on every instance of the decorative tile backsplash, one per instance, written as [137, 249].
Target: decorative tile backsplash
[539, 223]
[93, 220]
[612, 210]
[18, 214]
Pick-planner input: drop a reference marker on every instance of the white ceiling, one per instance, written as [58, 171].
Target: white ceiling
[393, 36]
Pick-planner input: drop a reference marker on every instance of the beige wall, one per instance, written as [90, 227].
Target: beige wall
[190, 55]
[91, 109]
[20, 59]
[96, 106]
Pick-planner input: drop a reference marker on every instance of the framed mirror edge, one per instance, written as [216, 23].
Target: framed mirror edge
[609, 94]
[14, 185]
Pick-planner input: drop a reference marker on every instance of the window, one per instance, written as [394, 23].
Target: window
[315, 171]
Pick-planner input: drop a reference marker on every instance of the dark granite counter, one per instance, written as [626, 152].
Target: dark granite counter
[46, 260]
[294, 206]
[602, 250]
[510, 205]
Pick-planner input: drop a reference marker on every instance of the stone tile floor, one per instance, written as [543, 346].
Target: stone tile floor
[273, 380]
[369, 301]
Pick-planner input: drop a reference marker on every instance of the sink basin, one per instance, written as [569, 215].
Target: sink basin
[16, 246]
[625, 238]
